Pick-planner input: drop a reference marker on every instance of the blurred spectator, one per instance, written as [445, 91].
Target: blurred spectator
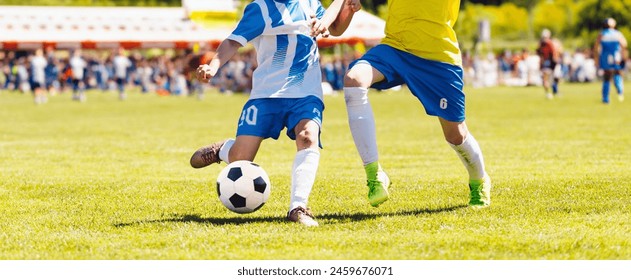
[144, 75]
[333, 70]
[168, 72]
[38, 76]
[467, 66]
[121, 63]
[549, 56]
[52, 72]
[8, 71]
[506, 67]
[78, 67]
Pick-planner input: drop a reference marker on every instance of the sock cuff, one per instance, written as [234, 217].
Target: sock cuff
[465, 141]
[355, 96]
[225, 150]
[372, 169]
[309, 151]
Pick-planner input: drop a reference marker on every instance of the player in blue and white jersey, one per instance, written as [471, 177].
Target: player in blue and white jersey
[611, 51]
[286, 88]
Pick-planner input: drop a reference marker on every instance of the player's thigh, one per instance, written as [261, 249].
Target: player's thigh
[438, 86]
[245, 147]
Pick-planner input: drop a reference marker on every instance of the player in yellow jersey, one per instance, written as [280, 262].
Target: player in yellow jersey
[421, 50]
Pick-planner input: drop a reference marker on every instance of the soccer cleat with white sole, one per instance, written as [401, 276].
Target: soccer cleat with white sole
[302, 216]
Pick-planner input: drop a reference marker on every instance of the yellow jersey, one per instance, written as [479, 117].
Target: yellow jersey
[424, 28]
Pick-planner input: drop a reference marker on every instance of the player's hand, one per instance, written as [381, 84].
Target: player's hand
[204, 73]
[355, 5]
[317, 28]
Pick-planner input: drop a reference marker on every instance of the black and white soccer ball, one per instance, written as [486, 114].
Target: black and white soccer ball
[243, 186]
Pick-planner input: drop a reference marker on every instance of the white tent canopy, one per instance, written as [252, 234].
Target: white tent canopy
[364, 27]
[102, 27]
[29, 27]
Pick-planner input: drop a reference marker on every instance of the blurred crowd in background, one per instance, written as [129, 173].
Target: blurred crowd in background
[522, 68]
[170, 72]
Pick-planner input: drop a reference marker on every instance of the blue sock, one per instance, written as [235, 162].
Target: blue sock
[555, 88]
[606, 92]
[617, 81]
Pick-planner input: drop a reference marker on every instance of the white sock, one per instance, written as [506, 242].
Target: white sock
[362, 123]
[303, 176]
[470, 154]
[225, 151]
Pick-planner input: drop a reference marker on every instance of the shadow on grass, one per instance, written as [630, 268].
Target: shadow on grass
[339, 217]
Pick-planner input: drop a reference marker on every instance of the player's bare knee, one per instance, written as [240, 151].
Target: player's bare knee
[352, 79]
[455, 138]
[305, 138]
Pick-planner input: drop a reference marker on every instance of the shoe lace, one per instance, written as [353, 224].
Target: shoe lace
[302, 211]
[211, 154]
[475, 192]
[372, 183]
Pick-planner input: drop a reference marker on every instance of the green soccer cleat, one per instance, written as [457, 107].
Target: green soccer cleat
[377, 192]
[378, 189]
[480, 192]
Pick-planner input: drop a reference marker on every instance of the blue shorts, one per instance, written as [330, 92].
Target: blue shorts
[436, 84]
[266, 117]
[607, 62]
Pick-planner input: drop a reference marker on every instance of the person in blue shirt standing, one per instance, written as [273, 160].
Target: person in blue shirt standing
[286, 87]
[611, 53]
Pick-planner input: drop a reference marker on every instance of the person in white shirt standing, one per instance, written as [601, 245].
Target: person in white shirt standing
[121, 63]
[38, 77]
[78, 65]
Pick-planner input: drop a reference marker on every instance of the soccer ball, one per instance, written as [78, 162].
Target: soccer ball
[243, 186]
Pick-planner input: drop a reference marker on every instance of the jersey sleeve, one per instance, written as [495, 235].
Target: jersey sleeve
[250, 26]
[319, 10]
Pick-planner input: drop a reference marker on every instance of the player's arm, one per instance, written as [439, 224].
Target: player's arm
[337, 18]
[557, 50]
[249, 27]
[344, 17]
[226, 50]
[625, 48]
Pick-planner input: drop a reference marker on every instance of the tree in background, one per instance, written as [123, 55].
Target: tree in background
[591, 18]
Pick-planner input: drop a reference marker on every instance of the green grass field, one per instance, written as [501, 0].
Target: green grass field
[110, 180]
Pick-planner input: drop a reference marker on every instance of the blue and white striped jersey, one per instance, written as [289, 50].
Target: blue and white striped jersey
[288, 58]
[610, 48]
